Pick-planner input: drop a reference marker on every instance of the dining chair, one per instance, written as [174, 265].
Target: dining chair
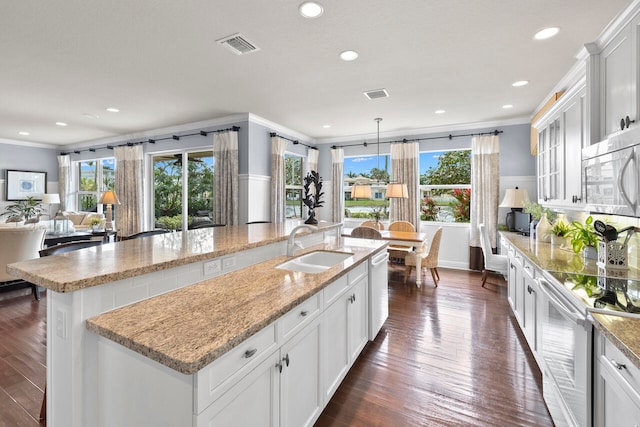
[429, 259]
[398, 251]
[373, 224]
[366, 233]
[19, 244]
[492, 262]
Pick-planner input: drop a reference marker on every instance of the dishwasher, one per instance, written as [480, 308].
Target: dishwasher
[378, 293]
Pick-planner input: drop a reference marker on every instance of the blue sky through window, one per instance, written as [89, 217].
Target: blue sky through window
[364, 164]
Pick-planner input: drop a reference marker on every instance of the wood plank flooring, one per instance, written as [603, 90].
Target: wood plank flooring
[447, 356]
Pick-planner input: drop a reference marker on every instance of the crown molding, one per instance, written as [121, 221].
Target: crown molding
[279, 128]
[29, 144]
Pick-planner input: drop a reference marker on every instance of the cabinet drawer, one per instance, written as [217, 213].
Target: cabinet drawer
[217, 377]
[529, 268]
[334, 290]
[297, 318]
[357, 273]
[615, 358]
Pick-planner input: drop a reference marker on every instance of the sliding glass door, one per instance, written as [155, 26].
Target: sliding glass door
[172, 181]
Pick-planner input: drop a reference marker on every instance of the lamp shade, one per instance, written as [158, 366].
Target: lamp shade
[397, 190]
[109, 198]
[360, 191]
[50, 198]
[515, 198]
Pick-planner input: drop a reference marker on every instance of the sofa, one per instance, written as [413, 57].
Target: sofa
[19, 243]
[82, 220]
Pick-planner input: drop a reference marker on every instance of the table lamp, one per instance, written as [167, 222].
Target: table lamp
[515, 199]
[109, 198]
[50, 199]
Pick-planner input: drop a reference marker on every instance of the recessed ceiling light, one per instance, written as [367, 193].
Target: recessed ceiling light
[112, 110]
[310, 9]
[440, 111]
[520, 83]
[61, 124]
[326, 126]
[23, 133]
[507, 106]
[546, 33]
[348, 55]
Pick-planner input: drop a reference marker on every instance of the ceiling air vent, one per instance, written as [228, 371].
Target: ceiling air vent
[238, 44]
[376, 93]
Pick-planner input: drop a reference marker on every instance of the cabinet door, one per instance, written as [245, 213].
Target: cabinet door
[357, 318]
[550, 162]
[516, 265]
[253, 401]
[574, 137]
[616, 401]
[511, 281]
[530, 313]
[617, 83]
[335, 345]
[301, 399]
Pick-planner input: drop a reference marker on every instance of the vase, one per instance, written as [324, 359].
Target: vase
[312, 218]
[590, 252]
[543, 229]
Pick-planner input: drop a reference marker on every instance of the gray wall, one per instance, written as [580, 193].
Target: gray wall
[16, 157]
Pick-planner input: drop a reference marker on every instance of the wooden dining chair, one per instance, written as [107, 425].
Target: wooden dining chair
[366, 233]
[429, 259]
[399, 252]
[373, 224]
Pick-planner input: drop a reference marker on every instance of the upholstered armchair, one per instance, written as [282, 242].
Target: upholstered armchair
[19, 244]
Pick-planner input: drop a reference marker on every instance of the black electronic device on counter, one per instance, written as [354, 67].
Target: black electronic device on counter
[521, 222]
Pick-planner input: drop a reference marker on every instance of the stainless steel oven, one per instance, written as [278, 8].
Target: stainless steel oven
[566, 346]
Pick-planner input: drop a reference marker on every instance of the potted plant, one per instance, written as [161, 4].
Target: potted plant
[583, 236]
[95, 223]
[537, 211]
[23, 209]
[559, 232]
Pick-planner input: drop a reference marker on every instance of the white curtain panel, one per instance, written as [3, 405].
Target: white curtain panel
[337, 182]
[64, 179]
[405, 169]
[485, 187]
[278, 146]
[225, 152]
[312, 160]
[129, 189]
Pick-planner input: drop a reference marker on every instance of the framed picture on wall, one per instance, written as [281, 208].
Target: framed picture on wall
[20, 185]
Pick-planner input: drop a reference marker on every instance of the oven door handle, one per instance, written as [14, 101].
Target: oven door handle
[559, 303]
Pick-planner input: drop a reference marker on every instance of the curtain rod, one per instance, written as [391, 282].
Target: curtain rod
[151, 140]
[495, 133]
[295, 142]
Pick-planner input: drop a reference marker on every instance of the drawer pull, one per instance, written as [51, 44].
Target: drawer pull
[279, 367]
[249, 353]
[303, 313]
[619, 366]
[285, 359]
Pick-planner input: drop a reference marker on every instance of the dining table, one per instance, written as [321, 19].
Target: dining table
[416, 240]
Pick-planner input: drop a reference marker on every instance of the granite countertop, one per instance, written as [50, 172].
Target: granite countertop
[623, 332]
[189, 328]
[89, 267]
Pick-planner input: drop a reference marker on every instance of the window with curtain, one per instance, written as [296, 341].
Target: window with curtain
[372, 171]
[94, 178]
[445, 186]
[293, 167]
[168, 171]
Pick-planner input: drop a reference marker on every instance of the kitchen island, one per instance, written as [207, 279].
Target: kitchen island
[93, 281]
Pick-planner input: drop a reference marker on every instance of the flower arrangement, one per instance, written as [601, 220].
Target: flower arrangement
[312, 199]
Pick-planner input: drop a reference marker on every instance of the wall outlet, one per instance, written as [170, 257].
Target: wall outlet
[228, 262]
[212, 267]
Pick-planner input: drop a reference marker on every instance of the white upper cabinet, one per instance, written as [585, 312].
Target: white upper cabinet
[618, 75]
[561, 137]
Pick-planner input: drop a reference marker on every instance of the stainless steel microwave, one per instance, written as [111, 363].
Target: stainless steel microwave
[611, 179]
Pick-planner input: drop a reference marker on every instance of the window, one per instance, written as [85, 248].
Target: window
[95, 177]
[168, 173]
[366, 170]
[293, 185]
[445, 186]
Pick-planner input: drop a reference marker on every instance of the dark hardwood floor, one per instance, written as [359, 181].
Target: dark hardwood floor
[447, 356]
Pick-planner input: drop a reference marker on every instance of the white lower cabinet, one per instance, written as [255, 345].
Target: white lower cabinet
[345, 330]
[617, 387]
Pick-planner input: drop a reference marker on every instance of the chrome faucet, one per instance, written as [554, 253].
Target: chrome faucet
[291, 243]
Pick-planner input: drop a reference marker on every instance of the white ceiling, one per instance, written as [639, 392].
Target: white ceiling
[159, 63]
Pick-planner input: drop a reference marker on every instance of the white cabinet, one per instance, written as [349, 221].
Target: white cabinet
[561, 137]
[345, 329]
[512, 279]
[516, 286]
[618, 76]
[617, 386]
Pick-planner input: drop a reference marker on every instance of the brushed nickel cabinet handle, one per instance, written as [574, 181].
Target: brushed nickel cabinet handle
[303, 313]
[249, 353]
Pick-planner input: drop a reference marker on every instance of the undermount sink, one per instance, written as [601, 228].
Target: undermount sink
[315, 262]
